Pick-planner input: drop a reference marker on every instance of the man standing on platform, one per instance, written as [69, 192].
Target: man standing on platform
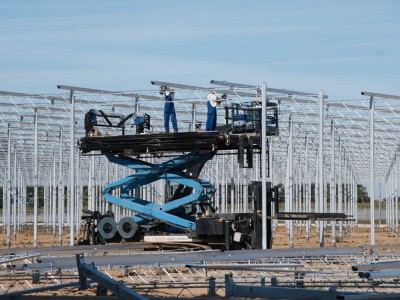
[213, 101]
[169, 111]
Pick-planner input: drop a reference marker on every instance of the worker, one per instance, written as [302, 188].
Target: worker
[169, 111]
[90, 122]
[213, 101]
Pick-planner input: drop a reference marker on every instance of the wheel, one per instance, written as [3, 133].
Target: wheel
[107, 227]
[127, 227]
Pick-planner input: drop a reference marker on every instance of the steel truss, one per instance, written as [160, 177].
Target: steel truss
[310, 270]
[329, 148]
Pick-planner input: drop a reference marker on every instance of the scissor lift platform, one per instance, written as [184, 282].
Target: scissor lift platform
[155, 143]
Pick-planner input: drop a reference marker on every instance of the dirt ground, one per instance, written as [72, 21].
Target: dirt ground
[357, 236]
[350, 237]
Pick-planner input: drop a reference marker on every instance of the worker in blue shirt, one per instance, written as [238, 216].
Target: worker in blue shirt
[90, 122]
[213, 101]
[169, 111]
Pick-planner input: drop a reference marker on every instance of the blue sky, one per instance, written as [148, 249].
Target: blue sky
[341, 47]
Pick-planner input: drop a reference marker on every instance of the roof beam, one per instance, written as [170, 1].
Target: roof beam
[257, 89]
[97, 91]
[379, 95]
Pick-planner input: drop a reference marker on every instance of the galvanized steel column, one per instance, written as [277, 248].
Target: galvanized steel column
[60, 190]
[217, 193]
[264, 163]
[72, 168]
[54, 195]
[307, 188]
[340, 189]
[4, 202]
[223, 180]
[232, 187]
[396, 193]
[46, 204]
[15, 195]
[7, 220]
[320, 164]
[79, 192]
[35, 182]
[333, 183]
[107, 181]
[21, 198]
[245, 190]
[289, 182]
[371, 171]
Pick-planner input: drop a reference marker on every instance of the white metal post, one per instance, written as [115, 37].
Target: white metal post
[307, 188]
[35, 183]
[72, 167]
[396, 194]
[217, 198]
[60, 190]
[320, 164]
[333, 183]
[232, 187]
[264, 163]
[15, 195]
[290, 179]
[54, 195]
[371, 171]
[79, 191]
[223, 180]
[6, 220]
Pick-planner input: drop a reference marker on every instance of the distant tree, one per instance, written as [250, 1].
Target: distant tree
[362, 194]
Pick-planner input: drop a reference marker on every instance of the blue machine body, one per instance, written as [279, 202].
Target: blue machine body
[146, 173]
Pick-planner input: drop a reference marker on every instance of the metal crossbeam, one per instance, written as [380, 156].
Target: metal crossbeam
[268, 89]
[118, 288]
[379, 95]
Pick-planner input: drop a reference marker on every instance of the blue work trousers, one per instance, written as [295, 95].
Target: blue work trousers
[211, 117]
[172, 116]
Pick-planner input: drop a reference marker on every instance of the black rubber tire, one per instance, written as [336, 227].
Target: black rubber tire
[127, 227]
[107, 227]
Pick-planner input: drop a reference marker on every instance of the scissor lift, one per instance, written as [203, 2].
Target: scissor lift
[189, 211]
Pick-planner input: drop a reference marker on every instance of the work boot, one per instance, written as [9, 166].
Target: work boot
[166, 130]
[175, 130]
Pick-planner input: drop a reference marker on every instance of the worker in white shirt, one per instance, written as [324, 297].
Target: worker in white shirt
[212, 103]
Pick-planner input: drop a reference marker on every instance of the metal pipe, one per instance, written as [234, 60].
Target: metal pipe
[79, 192]
[35, 182]
[333, 183]
[396, 193]
[54, 195]
[320, 164]
[15, 196]
[8, 203]
[60, 190]
[290, 177]
[20, 198]
[371, 170]
[307, 188]
[264, 164]
[340, 189]
[223, 180]
[72, 168]
[232, 187]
